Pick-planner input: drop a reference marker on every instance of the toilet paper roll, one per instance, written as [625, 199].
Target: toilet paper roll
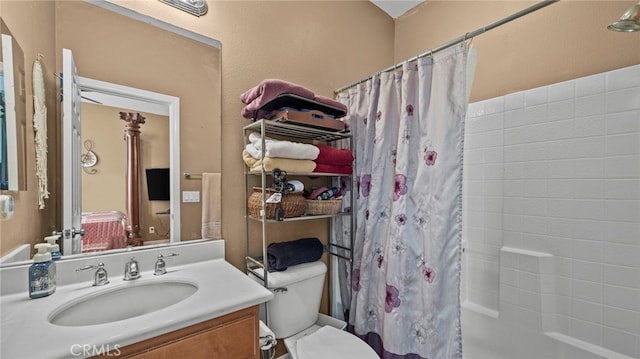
[6, 206]
[297, 185]
[267, 337]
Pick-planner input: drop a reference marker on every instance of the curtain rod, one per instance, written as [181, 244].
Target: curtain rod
[465, 37]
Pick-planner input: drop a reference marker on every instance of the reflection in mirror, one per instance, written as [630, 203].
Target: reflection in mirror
[104, 163]
[112, 205]
[153, 61]
[120, 46]
[12, 114]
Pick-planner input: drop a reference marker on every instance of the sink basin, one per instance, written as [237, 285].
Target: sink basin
[121, 303]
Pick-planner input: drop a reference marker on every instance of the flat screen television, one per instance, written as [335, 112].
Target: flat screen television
[158, 187]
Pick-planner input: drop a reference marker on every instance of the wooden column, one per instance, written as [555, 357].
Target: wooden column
[132, 136]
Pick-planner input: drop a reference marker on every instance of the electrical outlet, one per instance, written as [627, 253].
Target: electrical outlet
[190, 196]
[152, 230]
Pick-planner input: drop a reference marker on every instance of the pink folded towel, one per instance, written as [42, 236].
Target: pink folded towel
[266, 91]
[334, 156]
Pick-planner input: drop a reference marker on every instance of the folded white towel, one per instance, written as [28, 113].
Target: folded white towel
[281, 148]
[253, 151]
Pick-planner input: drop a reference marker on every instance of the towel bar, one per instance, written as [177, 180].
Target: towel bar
[189, 175]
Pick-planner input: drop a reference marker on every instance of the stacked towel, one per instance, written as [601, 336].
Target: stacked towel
[268, 89]
[285, 164]
[285, 155]
[338, 169]
[296, 157]
[281, 148]
[284, 254]
[334, 156]
[334, 160]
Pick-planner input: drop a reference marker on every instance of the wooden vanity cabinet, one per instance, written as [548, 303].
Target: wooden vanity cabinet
[233, 336]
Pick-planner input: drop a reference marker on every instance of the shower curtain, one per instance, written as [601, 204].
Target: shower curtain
[408, 128]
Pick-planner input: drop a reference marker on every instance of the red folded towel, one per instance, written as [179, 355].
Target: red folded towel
[334, 156]
[339, 169]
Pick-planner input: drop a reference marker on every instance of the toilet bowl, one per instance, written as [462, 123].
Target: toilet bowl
[293, 316]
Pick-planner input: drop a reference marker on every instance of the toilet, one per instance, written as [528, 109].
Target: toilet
[293, 316]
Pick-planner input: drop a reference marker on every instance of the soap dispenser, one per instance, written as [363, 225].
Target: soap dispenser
[42, 273]
[54, 248]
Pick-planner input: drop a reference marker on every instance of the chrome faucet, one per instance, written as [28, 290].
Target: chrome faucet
[131, 270]
[161, 266]
[100, 277]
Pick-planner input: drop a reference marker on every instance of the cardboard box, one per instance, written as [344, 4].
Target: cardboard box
[310, 118]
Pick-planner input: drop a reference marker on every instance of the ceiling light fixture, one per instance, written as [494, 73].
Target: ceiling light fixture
[193, 7]
[630, 20]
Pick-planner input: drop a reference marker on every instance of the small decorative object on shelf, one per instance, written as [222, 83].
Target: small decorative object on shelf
[292, 204]
[280, 183]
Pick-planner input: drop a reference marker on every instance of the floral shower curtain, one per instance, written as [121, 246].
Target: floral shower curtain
[408, 128]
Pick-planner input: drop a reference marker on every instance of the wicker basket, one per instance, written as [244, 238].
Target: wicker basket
[292, 203]
[329, 206]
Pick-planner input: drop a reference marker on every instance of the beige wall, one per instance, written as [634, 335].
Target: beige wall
[563, 41]
[32, 25]
[105, 189]
[318, 44]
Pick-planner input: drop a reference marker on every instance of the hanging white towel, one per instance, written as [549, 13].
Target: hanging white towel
[211, 205]
[40, 129]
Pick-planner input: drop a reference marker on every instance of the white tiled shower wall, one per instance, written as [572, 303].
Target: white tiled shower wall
[552, 213]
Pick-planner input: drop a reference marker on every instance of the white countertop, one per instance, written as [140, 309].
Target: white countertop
[27, 333]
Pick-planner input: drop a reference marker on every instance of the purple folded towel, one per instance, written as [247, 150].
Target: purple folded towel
[284, 254]
[268, 89]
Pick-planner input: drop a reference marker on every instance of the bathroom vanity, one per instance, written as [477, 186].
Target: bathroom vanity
[203, 307]
[230, 336]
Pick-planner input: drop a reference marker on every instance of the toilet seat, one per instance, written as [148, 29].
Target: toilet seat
[329, 342]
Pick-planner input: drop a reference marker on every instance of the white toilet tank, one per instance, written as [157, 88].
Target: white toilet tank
[297, 292]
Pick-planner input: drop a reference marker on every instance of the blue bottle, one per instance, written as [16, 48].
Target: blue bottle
[54, 248]
[328, 194]
[42, 273]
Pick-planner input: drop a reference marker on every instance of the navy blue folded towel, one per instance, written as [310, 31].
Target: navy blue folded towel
[284, 254]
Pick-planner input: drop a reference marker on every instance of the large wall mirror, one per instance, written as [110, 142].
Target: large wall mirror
[12, 113]
[118, 46]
